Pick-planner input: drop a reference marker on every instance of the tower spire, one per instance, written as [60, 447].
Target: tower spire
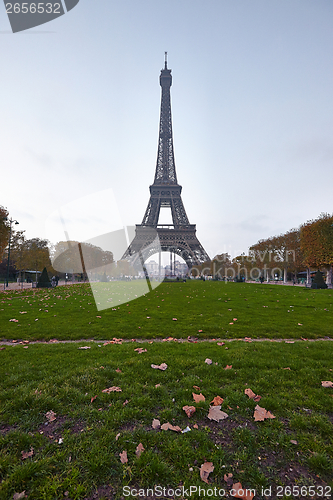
[165, 60]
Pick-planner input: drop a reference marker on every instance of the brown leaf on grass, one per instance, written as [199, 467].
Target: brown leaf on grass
[125, 402]
[205, 470]
[51, 416]
[221, 343]
[293, 441]
[2, 348]
[195, 426]
[19, 496]
[216, 414]
[327, 383]
[196, 387]
[198, 397]
[112, 389]
[93, 399]
[162, 366]
[287, 368]
[156, 424]
[27, 454]
[140, 350]
[139, 450]
[252, 395]
[217, 401]
[117, 436]
[228, 367]
[168, 427]
[208, 361]
[118, 370]
[123, 457]
[157, 385]
[189, 410]
[243, 493]
[228, 479]
[261, 414]
[84, 347]
[289, 342]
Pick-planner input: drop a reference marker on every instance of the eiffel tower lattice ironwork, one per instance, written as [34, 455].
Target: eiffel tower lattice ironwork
[180, 236]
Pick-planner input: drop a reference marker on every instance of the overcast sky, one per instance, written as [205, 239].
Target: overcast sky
[251, 104]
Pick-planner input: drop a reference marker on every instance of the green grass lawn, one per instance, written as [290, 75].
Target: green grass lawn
[293, 450]
[202, 309]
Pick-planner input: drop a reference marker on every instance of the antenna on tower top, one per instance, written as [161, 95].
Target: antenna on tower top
[166, 60]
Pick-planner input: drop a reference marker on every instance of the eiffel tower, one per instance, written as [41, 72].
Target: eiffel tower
[180, 236]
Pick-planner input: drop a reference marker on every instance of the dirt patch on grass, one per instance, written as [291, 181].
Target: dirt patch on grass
[106, 492]
[75, 426]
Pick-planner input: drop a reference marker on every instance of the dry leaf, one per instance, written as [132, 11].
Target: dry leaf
[162, 366]
[252, 395]
[51, 416]
[288, 368]
[205, 470]
[156, 424]
[117, 436]
[221, 343]
[139, 450]
[140, 350]
[216, 414]
[157, 385]
[196, 387]
[327, 383]
[198, 397]
[293, 441]
[123, 457]
[208, 361]
[84, 347]
[169, 427]
[118, 370]
[228, 479]
[228, 367]
[125, 402]
[289, 342]
[189, 410]
[217, 401]
[93, 399]
[261, 413]
[18, 496]
[112, 389]
[244, 494]
[195, 426]
[27, 454]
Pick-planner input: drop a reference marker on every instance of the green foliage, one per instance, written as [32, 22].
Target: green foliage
[44, 280]
[318, 281]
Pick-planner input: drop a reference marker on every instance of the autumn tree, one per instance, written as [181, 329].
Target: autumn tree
[4, 231]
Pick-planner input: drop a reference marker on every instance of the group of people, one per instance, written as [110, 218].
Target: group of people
[54, 280]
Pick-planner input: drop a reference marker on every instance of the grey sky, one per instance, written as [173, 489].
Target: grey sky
[251, 102]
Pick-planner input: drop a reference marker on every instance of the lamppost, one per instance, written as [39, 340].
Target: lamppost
[10, 236]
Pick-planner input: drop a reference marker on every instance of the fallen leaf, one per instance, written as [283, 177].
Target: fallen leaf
[93, 399]
[112, 389]
[195, 426]
[208, 361]
[196, 387]
[174, 319]
[140, 350]
[27, 454]
[18, 496]
[234, 319]
[216, 414]
[199, 331]
[123, 457]
[205, 470]
[327, 383]
[300, 324]
[2, 348]
[189, 410]
[125, 402]
[117, 436]
[156, 424]
[289, 342]
[84, 347]
[118, 370]
[252, 395]
[157, 385]
[261, 413]
[244, 494]
[139, 450]
[51, 416]
[293, 441]
[168, 427]
[287, 368]
[217, 401]
[228, 479]
[221, 343]
[228, 367]
[162, 366]
[198, 397]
